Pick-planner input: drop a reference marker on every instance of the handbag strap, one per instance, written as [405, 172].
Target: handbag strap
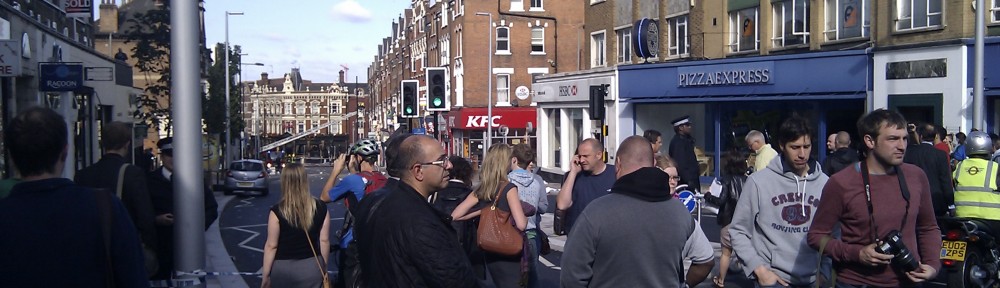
[121, 180]
[322, 269]
[104, 206]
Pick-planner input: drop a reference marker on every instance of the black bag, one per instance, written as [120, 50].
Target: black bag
[559, 222]
[545, 248]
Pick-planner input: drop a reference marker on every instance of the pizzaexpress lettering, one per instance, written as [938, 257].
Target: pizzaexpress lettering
[734, 77]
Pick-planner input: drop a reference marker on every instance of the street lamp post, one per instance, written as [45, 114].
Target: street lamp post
[227, 155]
[242, 100]
[489, 78]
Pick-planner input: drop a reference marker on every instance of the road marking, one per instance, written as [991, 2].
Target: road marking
[244, 226]
[556, 242]
[246, 202]
[547, 263]
[253, 234]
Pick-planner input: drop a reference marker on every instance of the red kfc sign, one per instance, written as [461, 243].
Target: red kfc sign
[513, 117]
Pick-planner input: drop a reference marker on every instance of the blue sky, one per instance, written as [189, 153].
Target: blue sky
[315, 35]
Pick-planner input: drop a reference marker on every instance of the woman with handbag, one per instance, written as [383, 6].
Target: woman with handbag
[500, 210]
[292, 255]
[734, 167]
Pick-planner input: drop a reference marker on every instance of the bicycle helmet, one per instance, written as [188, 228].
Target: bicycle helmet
[366, 147]
[978, 143]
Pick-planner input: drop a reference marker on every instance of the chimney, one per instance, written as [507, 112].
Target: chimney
[263, 76]
[108, 11]
[341, 77]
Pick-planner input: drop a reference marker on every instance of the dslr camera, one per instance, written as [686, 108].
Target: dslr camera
[902, 258]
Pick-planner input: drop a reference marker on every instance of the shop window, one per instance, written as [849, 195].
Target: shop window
[743, 34]
[538, 41]
[576, 133]
[503, 40]
[916, 14]
[503, 89]
[791, 23]
[679, 41]
[847, 19]
[597, 51]
[624, 45]
[554, 137]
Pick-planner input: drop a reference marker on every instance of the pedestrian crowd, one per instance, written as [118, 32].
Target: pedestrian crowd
[787, 218]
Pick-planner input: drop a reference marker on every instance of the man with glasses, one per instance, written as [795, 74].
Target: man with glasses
[402, 240]
[682, 151]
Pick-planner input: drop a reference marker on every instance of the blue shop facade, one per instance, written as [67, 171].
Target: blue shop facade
[726, 98]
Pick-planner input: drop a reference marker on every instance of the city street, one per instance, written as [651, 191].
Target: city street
[243, 227]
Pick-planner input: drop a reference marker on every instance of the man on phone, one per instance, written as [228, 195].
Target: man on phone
[588, 178]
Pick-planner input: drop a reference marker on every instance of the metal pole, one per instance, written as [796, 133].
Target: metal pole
[225, 153]
[489, 77]
[977, 90]
[240, 107]
[189, 235]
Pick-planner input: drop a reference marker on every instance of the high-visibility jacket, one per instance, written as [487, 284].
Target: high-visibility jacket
[976, 193]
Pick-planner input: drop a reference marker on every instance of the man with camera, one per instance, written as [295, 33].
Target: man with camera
[881, 245]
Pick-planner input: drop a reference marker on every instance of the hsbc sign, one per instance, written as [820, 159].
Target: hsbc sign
[480, 121]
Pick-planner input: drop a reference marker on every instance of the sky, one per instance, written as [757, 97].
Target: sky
[317, 36]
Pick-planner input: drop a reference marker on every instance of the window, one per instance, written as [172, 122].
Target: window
[302, 127]
[517, 5]
[288, 108]
[791, 23]
[536, 5]
[996, 11]
[537, 40]
[597, 50]
[458, 49]
[300, 108]
[503, 89]
[847, 19]
[333, 109]
[678, 36]
[624, 36]
[503, 40]
[314, 108]
[445, 47]
[916, 14]
[743, 30]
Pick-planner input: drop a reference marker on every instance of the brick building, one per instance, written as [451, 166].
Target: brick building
[529, 38]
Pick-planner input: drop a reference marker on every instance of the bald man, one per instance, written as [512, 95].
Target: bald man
[661, 232]
[588, 178]
[842, 157]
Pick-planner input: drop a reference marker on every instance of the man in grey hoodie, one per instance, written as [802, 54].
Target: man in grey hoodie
[775, 211]
[531, 190]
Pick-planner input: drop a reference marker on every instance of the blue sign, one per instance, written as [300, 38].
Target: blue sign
[753, 73]
[687, 198]
[419, 131]
[58, 77]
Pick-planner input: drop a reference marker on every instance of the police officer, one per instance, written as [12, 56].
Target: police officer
[976, 184]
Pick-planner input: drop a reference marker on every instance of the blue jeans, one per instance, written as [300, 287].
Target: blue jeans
[534, 242]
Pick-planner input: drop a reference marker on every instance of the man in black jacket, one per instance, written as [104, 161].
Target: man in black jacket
[682, 151]
[116, 139]
[935, 164]
[402, 240]
[161, 190]
[844, 156]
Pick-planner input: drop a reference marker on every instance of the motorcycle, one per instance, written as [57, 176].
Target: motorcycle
[969, 253]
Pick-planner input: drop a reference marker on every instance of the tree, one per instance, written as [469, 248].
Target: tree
[150, 31]
[216, 100]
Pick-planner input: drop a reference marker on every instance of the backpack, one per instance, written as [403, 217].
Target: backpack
[373, 181]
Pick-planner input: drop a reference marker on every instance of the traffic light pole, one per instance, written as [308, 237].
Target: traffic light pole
[437, 131]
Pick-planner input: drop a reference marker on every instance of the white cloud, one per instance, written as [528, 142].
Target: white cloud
[351, 11]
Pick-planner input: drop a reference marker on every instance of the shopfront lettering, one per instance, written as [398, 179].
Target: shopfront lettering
[726, 75]
[567, 90]
[480, 121]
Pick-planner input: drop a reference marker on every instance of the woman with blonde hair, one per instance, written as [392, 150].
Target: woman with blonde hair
[505, 270]
[298, 241]
[670, 167]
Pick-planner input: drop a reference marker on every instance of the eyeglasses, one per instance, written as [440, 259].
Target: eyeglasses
[443, 162]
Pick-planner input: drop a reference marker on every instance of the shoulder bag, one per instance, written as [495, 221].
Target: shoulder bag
[322, 268]
[496, 232]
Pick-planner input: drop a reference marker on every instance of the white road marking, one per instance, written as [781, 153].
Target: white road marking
[246, 202]
[547, 263]
[253, 234]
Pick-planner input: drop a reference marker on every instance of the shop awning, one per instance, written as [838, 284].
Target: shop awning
[751, 97]
[512, 117]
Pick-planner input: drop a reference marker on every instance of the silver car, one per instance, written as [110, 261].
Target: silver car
[246, 175]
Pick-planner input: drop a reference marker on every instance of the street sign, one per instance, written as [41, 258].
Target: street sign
[59, 76]
[687, 198]
[10, 58]
[99, 73]
[521, 92]
[419, 131]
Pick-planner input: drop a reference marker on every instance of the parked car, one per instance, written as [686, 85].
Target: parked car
[246, 175]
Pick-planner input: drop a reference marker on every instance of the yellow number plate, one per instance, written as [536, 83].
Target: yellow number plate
[953, 250]
[250, 184]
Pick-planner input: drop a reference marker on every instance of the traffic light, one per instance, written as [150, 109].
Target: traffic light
[409, 101]
[437, 96]
[597, 95]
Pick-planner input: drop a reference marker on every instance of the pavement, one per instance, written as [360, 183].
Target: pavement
[217, 258]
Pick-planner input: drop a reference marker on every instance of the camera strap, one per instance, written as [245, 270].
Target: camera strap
[868, 196]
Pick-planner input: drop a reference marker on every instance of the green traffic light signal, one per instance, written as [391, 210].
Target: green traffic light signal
[409, 110]
[437, 102]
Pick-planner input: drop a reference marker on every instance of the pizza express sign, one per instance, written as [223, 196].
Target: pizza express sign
[756, 73]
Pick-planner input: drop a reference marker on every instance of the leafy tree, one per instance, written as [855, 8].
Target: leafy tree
[150, 31]
[216, 100]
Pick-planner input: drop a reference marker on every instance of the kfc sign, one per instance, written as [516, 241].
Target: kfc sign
[513, 117]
